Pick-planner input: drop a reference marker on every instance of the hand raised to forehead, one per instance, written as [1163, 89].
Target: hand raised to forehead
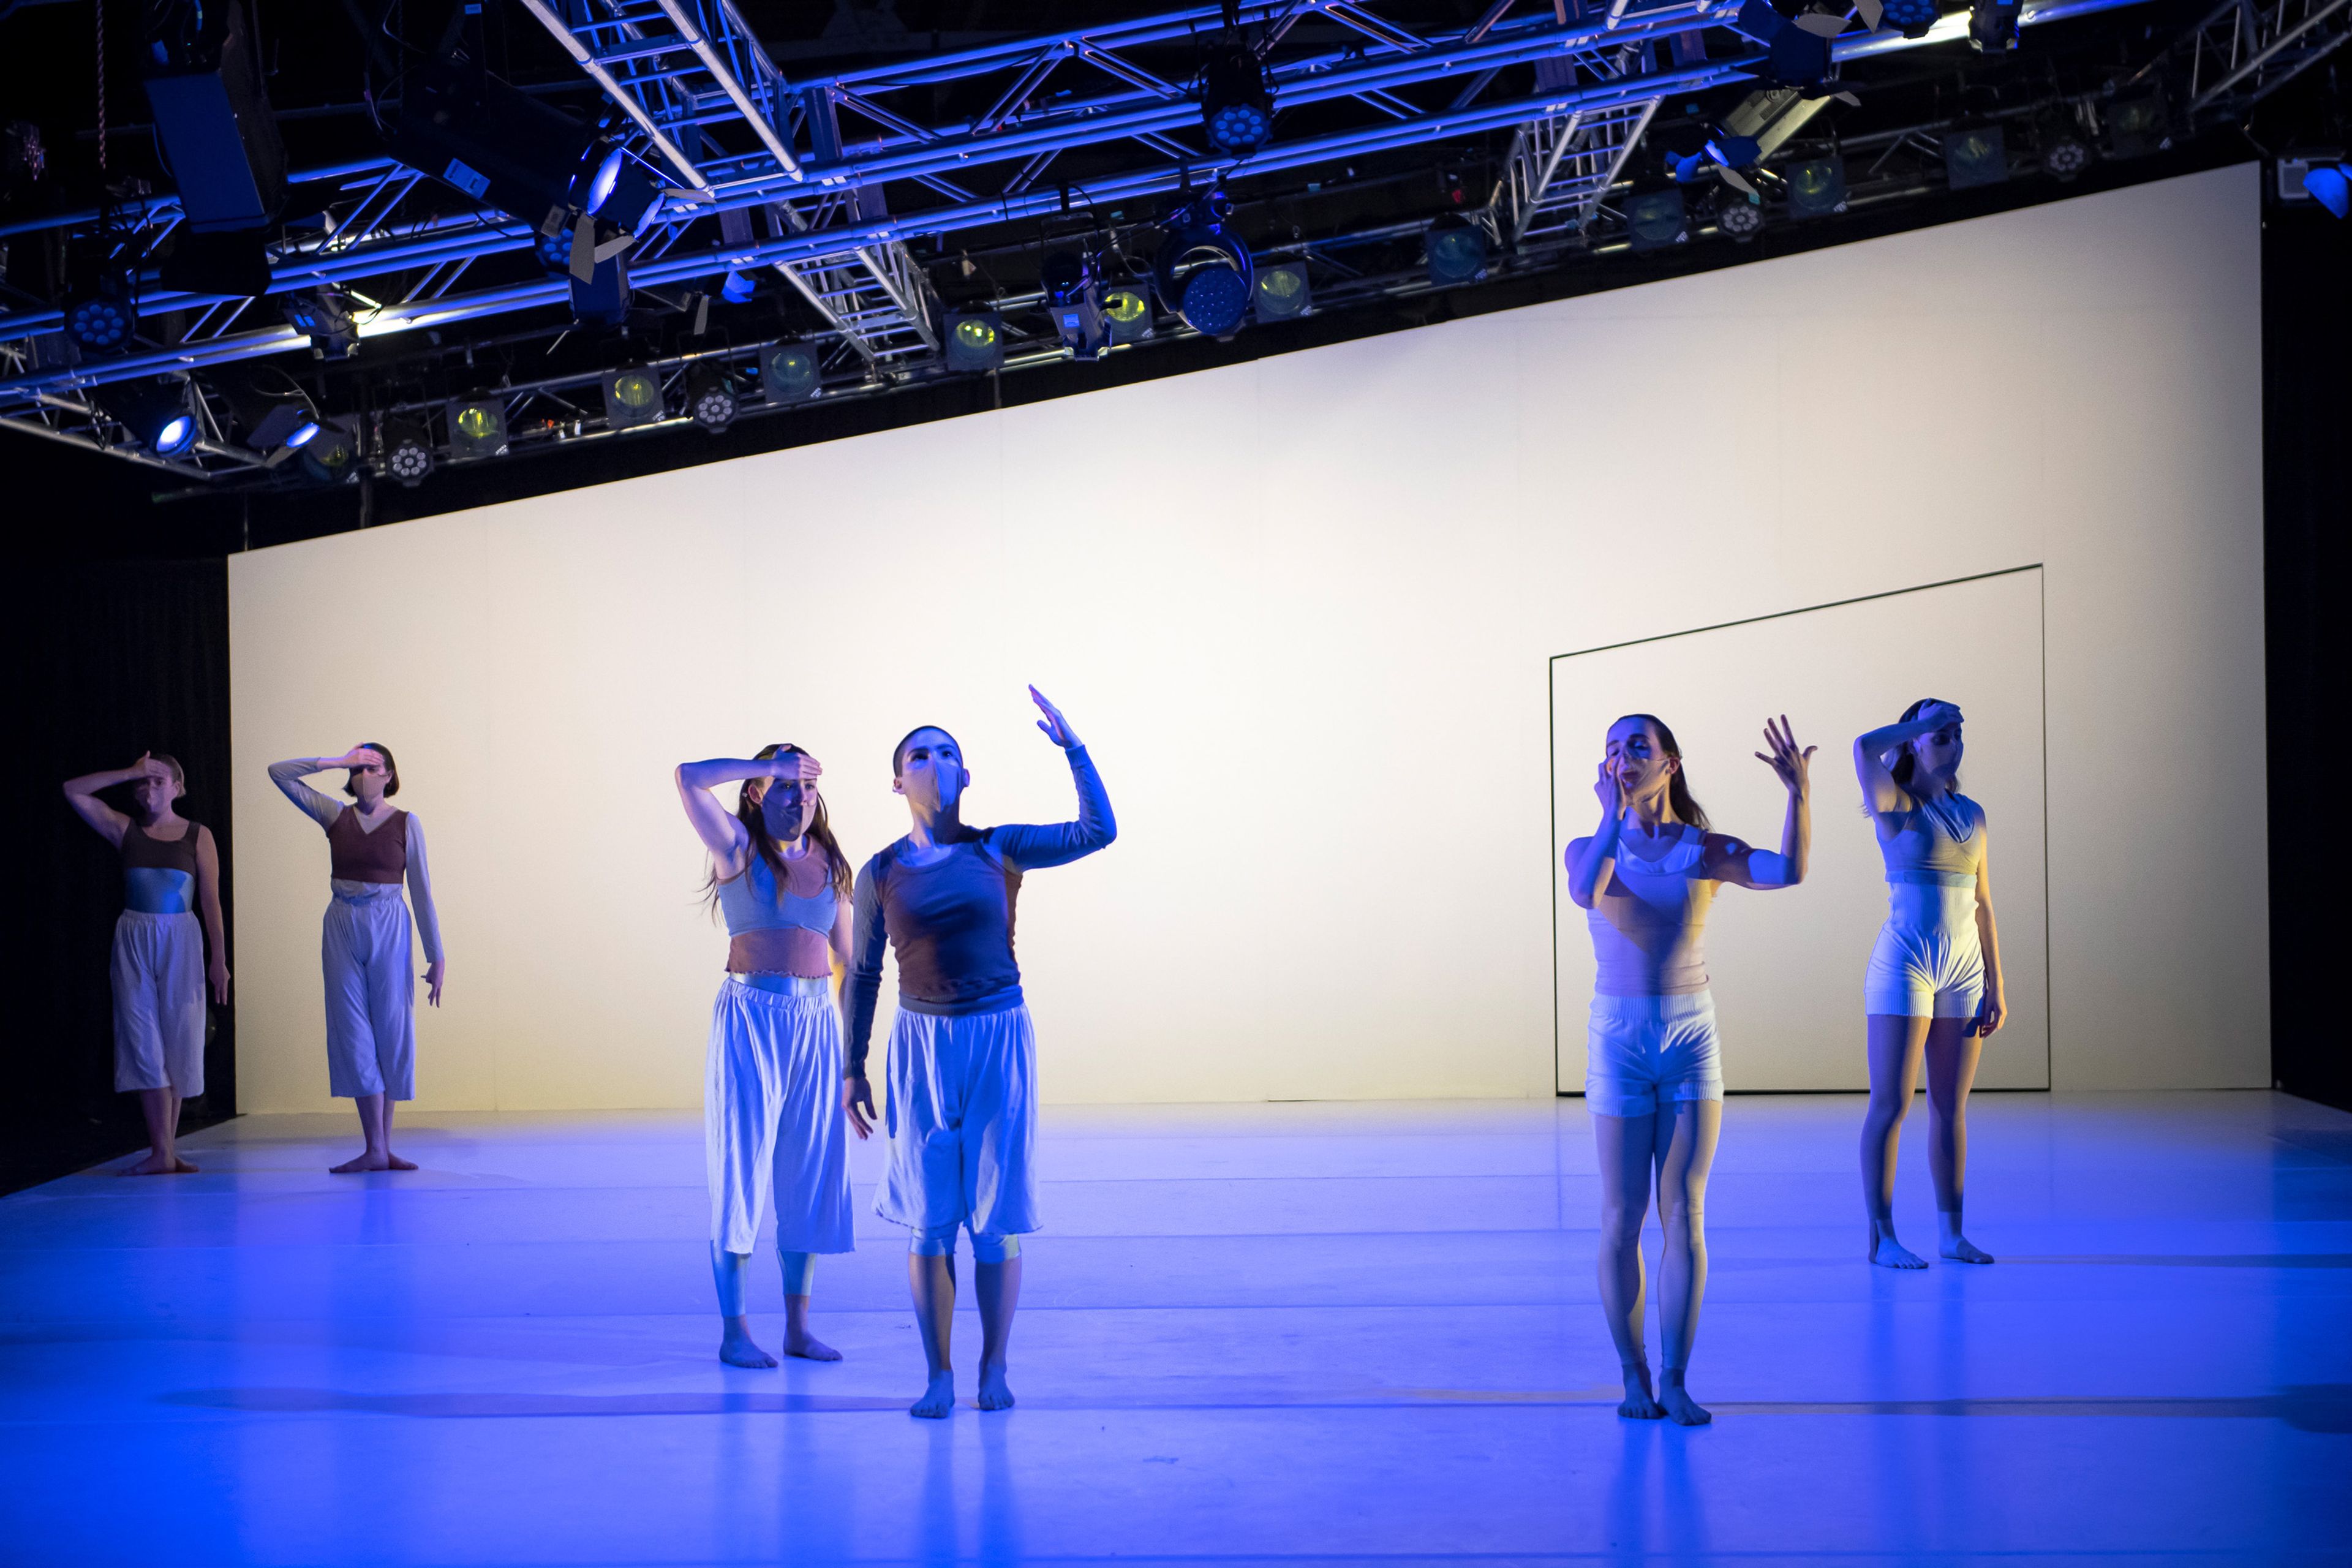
[797, 765]
[359, 757]
[149, 768]
[1940, 714]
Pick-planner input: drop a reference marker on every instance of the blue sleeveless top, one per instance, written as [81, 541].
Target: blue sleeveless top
[752, 901]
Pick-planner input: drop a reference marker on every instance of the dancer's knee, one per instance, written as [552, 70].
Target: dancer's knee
[993, 1249]
[937, 1242]
[1620, 1223]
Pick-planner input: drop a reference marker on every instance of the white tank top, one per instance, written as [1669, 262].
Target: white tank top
[1649, 922]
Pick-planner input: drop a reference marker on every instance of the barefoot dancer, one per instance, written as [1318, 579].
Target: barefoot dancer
[370, 972]
[963, 1062]
[171, 871]
[1933, 981]
[1654, 1080]
[772, 1111]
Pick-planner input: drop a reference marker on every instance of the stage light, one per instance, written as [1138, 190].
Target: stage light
[219, 139]
[1654, 219]
[158, 414]
[1236, 108]
[1281, 292]
[1992, 25]
[2065, 152]
[100, 313]
[1455, 251]
[499, 145]
[736, 287]
[406, 451]
[2320, 179]
[2138, 123]
[1072, 300]
[710, 399]
[478, 427]
[1817, 187]
[1203, 272]
[788, 373]
[1911, 18]
[1974, 156]
[331, 456]
[322, 316]
[602, 298]
[633, 396]
[1127, 313]
[1740, 218]
[975, 341]
[1796, 52]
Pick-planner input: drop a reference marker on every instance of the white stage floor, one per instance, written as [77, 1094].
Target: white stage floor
[1279, 1335]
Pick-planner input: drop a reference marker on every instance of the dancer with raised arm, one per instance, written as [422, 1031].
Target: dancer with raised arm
[365, 950]
[170, 875]
[1654, 1076]
[963, 1059]
[772, 1103]
[1933, 988]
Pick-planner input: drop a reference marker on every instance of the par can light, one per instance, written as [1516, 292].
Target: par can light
[975, 341]
[478, 428]
[405, 452]
[710, 397]
[633, 397]
[788, 372]
[1127, 313]
[1281, 292]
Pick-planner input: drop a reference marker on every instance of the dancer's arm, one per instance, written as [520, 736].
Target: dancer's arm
[718, 828]
[1589, 859]
[428, 921]
[856, 1099]
[863, 991]
[109, 824]
[1730, 860]
[1995, 1011]
[321, 809]
[208, 907]
[1879, 790]
[1028, 848]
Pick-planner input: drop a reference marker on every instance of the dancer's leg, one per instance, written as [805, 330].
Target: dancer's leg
[375, 1124]
[1685, 1136]
[160, 1108]
[1952, 1057]
[1624, 1144]
[800, 1283]
[930, 1278]
[1894, 1050]
[996, 1285]
[731, 1273]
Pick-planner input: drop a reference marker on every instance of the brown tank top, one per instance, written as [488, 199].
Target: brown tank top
[165, 854]
[360, 855]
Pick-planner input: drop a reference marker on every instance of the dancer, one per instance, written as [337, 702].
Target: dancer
[370, 967]
[1654, 1076]
[963, 1059]
[171, 875]
[771, 1111]
[1933, 988]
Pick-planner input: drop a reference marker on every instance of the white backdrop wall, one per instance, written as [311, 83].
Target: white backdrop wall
[1302, 610]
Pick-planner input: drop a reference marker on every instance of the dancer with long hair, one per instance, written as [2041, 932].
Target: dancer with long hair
[963, 1058]
[1653, 1078]
[170, 916]
[1933, 989]
[772, 1105]
[364, 948]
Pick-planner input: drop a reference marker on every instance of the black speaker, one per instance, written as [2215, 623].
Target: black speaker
[211, 116]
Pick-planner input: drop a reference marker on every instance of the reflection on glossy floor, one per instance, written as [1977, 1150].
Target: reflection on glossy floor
[1269, 1334]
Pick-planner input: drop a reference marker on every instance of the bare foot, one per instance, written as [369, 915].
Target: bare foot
[938, 1399]
[1960, 1249]
[184, 1167]
[737, 1350]
[156, 1164]
[1637, 1405]
[1681, 1407]
[1889, 1253]
[995, 1394]
[359, 1163]
[393, 1161]
[808, 1347]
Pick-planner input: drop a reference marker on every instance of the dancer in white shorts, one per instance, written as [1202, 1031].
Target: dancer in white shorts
[1933, 988]
[963, 1062]
[170, 875]
[771, 1113]
[1654, 1078]
[369, 968]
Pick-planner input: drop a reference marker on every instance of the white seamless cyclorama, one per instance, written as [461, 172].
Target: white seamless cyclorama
[1303, 610]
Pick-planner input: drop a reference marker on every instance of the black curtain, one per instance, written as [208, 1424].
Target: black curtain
[110, 658]
[2308, 506]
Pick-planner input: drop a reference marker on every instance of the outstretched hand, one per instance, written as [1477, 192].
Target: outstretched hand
[1793, 767]
[1057, 729]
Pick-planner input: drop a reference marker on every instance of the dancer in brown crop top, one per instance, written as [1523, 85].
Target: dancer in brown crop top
[171, 877]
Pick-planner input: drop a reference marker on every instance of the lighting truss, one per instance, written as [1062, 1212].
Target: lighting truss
[2243, 52]
[770, 174]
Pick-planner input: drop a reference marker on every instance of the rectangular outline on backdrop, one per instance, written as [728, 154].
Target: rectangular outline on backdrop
[1551, 784]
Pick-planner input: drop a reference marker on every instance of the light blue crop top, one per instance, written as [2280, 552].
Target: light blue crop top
[1937, 845]
[752, 901]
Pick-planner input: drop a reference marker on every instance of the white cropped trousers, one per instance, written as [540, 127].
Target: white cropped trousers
[158, 972]
[962, 1124]
[371, 971]
[772, 1118]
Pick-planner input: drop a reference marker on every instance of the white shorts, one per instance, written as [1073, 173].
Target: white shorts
[1644, 1054]
[370, 967]
[158, 1002]
[962, 1124]
[772, 1118]
[1927, 963]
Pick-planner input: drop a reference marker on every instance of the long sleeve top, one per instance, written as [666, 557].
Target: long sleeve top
[950, 921]
[323, 809]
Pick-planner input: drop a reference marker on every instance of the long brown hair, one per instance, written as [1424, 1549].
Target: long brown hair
[1906, 760]
[763, 843]
[1678, 795]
